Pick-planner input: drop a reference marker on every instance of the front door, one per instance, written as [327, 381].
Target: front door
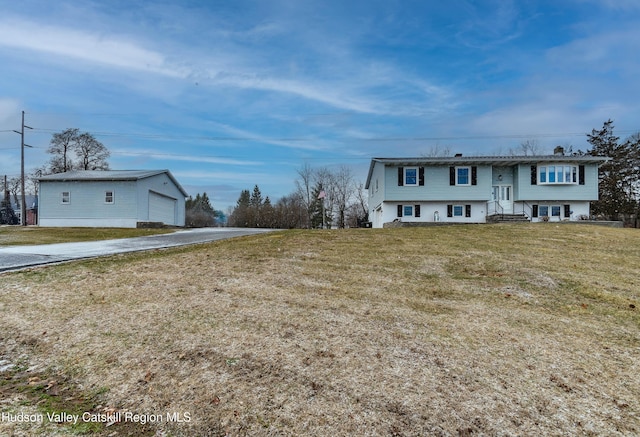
[503, 196]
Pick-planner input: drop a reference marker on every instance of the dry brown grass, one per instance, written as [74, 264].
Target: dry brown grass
[19, 235]
[487, 330]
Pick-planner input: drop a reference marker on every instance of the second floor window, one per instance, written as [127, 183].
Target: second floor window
[462, 175]
[558, 174]
[411, 176]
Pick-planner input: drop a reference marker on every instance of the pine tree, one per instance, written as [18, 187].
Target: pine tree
[618, 178]
[200, 212]
[317, 208]
[239, 216]
[255, 206]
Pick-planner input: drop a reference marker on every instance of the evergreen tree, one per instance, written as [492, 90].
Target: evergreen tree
[268, 214]
[317, 208]
[254, 218]
[200, 212]
[239, 216]
[618, 178]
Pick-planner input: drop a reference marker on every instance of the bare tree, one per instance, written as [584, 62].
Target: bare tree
[304, 187]
[91, 153]
[437, 151]
[62, 144]
[359, 208]
[291, 211]
[343, 189]
[14, 185]
[324, 178]
[528, 147]
[32, 178]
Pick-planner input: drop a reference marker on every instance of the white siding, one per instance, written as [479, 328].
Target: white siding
[430, 212]
[436, 186]
[87, 206]
[162, 209]
[162, 185]
[87, 203]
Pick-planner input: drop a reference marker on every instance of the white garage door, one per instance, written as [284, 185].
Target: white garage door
[162, 209]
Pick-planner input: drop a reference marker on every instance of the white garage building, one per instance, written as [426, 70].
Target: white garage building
[111, 198]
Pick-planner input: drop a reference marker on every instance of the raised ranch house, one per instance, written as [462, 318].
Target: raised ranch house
[123, 198]
[480, 189]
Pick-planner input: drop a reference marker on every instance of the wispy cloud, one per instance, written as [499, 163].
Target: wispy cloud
[153, 154]
[85, 46]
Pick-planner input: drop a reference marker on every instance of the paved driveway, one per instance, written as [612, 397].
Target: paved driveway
[20, 257]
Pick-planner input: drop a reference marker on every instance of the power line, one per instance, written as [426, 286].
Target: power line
[311, 139]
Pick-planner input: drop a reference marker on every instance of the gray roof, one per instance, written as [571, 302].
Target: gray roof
[108, 175]
[502, 161]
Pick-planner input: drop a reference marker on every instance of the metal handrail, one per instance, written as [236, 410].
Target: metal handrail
[496, 205]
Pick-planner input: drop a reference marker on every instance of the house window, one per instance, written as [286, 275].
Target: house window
[551, 211]
[463, 175]
[408, 210]
[411, 176]
[108, 197]
[66, 197]
[558, 174]
[543, 211]
[458, 210]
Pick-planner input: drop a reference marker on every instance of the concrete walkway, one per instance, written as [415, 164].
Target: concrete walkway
[21, 257]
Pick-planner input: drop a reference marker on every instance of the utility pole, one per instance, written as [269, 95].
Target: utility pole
[23, 203]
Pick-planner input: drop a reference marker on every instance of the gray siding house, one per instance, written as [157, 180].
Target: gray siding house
[111, 198]
[477, 189]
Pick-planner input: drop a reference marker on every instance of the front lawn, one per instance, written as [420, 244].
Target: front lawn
[529, 329]
[29, 235]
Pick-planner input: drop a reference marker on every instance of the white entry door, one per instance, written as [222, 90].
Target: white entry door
[502, 194]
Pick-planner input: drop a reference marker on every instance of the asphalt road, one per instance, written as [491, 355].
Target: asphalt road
[21, 257]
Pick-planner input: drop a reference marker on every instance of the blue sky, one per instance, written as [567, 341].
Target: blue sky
[228, 94]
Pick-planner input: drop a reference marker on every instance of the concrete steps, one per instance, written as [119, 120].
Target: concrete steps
[508, 218]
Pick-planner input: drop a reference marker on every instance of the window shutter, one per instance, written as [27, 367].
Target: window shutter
[421, 176]
[534, 175]
[581, 174]
[452, 176]
[400, 177]
[416, 210]
[474, 175]
[399, 210]
[567, 210]
[467, 210]
[534, 211]
[449, 210]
